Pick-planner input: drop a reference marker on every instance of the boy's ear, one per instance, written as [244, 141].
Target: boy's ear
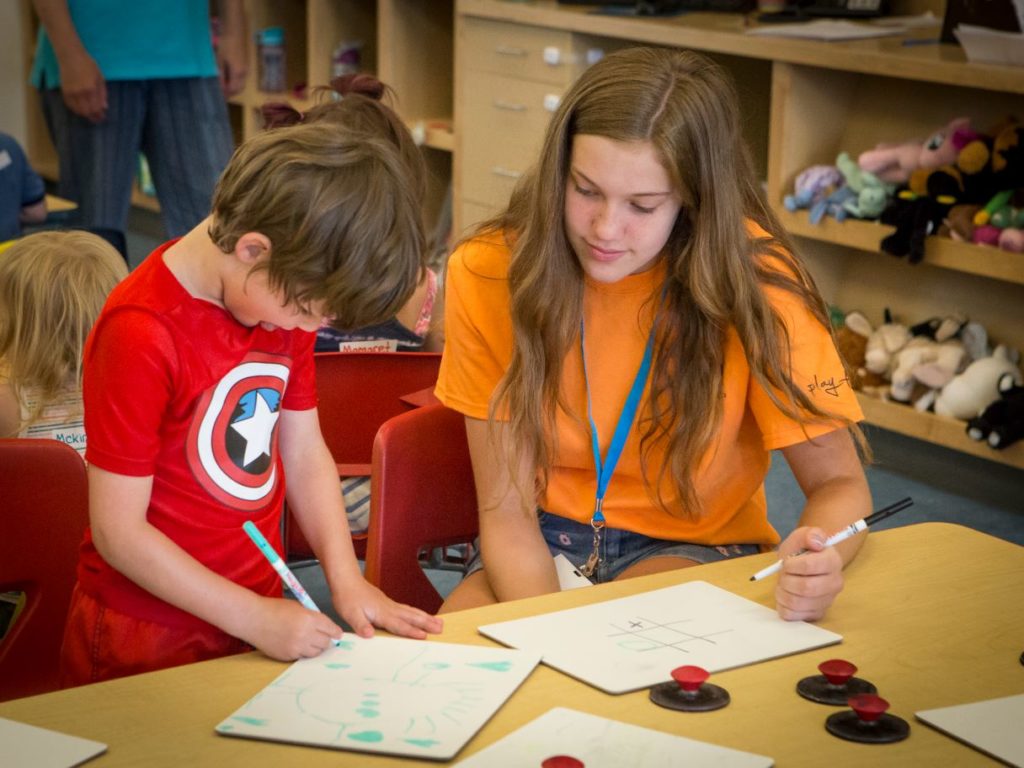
[252, 247]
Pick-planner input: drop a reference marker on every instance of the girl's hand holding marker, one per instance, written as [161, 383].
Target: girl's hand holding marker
[851, 530]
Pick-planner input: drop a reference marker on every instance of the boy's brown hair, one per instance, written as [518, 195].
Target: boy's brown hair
[342, 218]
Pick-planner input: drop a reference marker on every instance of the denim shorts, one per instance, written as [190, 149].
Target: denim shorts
[619, 549]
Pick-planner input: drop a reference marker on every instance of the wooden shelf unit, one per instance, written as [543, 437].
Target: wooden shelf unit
[804, 102]
[408, 44]
[939, 430]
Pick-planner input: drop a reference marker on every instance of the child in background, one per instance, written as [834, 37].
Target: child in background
[22, 193]
[639, 257]
[418, 326]
[200, 403]
[52, 287]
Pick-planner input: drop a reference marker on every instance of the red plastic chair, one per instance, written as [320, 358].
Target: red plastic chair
[422, 497]
[44, 509]
[358, 392]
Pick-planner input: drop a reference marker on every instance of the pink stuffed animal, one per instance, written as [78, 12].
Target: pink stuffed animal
[1012, 239]
[895, 162]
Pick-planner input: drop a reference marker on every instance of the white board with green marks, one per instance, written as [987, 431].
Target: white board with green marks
[386, 695]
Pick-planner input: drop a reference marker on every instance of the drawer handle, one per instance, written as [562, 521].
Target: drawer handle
[509, 105]
[510, 50]
[505, 172]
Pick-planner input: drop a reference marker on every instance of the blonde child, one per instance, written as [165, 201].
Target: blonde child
[640, 257]
[52, 287]
[200, 401]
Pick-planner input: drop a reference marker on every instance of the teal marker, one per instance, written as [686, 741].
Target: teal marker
[282, 568]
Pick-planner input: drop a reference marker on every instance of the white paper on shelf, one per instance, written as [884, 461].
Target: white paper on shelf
[827, 29]
[991, 46]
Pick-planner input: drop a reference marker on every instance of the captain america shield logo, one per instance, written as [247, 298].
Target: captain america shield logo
[232, 444]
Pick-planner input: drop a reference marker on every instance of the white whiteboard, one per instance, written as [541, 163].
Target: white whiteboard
[634, 642]
[995, 726]
[601, 743]
[26, 746]
[386, 695]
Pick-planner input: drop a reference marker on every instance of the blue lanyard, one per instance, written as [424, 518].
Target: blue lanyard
[606, 468]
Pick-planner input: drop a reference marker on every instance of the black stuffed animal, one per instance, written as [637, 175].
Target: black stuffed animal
[1008, 157]
[914, 218]
[1002, 423]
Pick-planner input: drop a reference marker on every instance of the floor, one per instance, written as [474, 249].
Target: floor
[945, 485]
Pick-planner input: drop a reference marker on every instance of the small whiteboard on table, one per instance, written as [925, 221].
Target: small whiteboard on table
[634, 642]
[26, 746]
[995, 726]
[601, 743]
[386, 695]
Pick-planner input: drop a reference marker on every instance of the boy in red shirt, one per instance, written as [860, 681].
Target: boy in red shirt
[200, 401]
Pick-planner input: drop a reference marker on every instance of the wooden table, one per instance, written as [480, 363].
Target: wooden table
[933, 614]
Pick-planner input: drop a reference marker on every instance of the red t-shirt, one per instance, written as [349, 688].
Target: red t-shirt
[176, 388]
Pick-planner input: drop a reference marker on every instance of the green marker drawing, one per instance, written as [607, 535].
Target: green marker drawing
[250, 720]
[367, 736]
[494, 666]
[422, 742]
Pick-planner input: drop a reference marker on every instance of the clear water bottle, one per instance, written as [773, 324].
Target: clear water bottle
[270, 43]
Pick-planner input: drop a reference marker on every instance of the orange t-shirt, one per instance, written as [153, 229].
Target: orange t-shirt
[618, 317]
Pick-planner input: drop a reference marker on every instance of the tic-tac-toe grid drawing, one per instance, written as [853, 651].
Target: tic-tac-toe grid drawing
[685, 635]
[634, 642]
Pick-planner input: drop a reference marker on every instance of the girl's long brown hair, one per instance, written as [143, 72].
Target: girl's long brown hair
[687, 107]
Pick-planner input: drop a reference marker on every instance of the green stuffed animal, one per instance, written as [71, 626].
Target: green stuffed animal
[872, 194]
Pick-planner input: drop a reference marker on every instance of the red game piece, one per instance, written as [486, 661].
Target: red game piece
[562, 761]
[867, 721]
[688, 691]
[835, 685]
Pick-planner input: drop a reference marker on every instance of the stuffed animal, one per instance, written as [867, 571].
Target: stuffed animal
[833, 205]
[894, 163]
[923, 367]
[1001, 423]
[1008, 156]
[929, 361]
[959, 222]
[813, 184]
[995, 202]
[852, 333]
[986, 234]
[914, 219]
[872, 193]
[883, 344]
[969, 393]
[1012, 239]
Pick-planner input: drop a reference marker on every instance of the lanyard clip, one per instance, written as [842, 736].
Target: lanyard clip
[597, 521]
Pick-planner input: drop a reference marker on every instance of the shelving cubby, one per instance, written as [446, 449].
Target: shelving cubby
[815, 114]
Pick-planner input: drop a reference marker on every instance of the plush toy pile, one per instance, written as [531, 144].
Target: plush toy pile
[959, 182]
[944, 365]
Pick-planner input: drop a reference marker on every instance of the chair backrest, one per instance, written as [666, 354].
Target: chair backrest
[44, 510]
[359, 391]
[422, 496]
